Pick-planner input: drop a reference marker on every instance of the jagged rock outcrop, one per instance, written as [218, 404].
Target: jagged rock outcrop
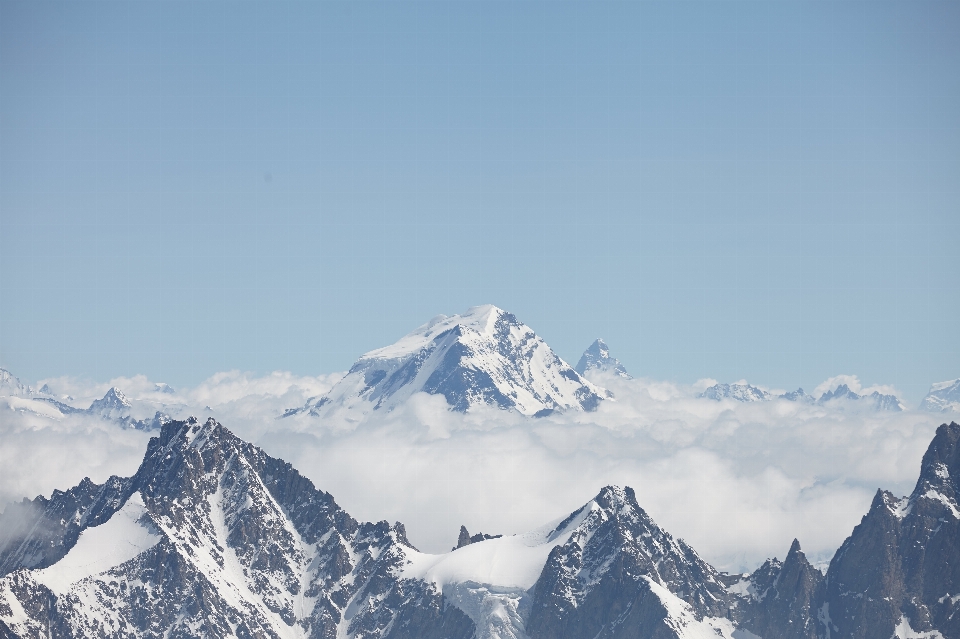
[901, 564]
[621, 575]
[781, 599]
[465, 538]
[214, 538]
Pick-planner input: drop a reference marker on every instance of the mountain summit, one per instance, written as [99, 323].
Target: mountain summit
[597, 357]
[485, 356]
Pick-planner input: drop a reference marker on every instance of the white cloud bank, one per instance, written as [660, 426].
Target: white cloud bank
[737, 480]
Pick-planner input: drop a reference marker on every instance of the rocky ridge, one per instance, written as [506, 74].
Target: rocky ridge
[213, 538]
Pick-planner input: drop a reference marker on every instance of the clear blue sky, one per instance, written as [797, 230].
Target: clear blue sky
[768, 190]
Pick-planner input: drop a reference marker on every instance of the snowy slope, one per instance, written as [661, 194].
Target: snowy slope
[484, 356]
[943, 397]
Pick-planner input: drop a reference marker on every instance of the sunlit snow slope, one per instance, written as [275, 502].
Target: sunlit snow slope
[484, 356]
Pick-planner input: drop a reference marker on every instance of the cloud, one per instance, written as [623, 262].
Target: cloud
[738, 481]
[41, 453]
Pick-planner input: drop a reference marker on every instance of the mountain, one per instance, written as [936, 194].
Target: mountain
[597, 357]
[877, 400]
[797, 396]
[739, 392]
[943, 397]
[113, 405]
[213, 538]
[11, 386]
[485, 356]
[899, 571]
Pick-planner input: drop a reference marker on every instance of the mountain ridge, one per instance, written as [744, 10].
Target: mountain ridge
[222, 540]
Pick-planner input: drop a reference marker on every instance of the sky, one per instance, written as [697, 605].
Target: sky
[735, 190]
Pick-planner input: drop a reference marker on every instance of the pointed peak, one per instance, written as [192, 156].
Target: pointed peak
[940, 466]
[794, 547]
[597, 357]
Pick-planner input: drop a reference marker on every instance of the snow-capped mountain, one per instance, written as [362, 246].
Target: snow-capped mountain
[739, 392]
[485, 356]
[11, 386]
[876, 399]
[943, 397]
[597, 357]
[113, 405]
[213, 538]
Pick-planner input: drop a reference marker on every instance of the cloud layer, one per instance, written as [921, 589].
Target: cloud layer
[738, 481]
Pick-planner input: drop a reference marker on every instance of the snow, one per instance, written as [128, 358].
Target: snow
[479, 318]
[100, 548]
[938, 386]
[903, 508]
[744, 587]
[514, 561]
[514, 363]
[904, 631]
[42, 409]
[946, 501]
[681, 619]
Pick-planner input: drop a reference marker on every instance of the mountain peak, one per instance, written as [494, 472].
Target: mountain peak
[943, 397]
[485, 356]
[741, 391]
[10, 384]
[597, 357]
[879, 400]
[112, 405]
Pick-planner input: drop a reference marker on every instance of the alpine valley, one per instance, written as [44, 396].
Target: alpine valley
[212, 537]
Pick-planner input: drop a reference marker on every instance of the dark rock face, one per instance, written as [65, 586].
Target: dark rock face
[465, 538]
[245, 546]
[781, 599]
[903, 559]
[598, 584]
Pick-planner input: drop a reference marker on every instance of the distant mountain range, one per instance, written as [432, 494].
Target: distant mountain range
[113, 406]
[214, 538]
[483, 357]
[743, 392]
[943, 397]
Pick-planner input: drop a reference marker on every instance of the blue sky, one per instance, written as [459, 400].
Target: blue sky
[759, 190]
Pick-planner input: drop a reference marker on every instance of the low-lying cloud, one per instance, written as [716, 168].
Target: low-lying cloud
[738, 481]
